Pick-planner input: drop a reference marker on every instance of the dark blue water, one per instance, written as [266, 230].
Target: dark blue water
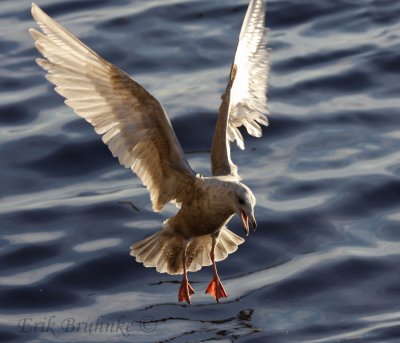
[324, 265]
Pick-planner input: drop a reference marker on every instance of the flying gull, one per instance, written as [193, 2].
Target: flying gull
[137, 131]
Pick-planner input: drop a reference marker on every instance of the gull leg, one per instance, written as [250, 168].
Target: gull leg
[215, 287]
[186, 290]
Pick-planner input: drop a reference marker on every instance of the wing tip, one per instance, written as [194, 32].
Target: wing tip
[240, 144]
[35, 10]
[38, 14]
[41, 62]
[32, 32]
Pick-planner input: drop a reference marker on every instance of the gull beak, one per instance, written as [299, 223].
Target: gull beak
[245, 221]
[253, 222]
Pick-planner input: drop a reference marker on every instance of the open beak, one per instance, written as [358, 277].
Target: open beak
[245, 221]
[253, 222]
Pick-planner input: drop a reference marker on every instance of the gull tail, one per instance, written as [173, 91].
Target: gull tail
[163, 250]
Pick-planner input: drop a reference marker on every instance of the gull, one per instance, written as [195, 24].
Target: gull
[136, 129]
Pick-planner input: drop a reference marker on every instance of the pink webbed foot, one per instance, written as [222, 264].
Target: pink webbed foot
[216, 289]
[185, 291]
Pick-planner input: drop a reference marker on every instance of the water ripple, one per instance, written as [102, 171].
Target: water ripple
[323, 265]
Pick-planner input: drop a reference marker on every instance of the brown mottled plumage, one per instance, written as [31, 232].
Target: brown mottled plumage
[138, 132]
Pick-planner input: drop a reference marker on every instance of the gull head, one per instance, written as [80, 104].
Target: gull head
[244, 202]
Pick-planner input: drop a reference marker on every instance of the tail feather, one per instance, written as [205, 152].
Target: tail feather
[152, 256]
[145, 246]
[220, 252]
[227, 244]
[161, 267]
[229, 240]
[205, 254]
[163, 250]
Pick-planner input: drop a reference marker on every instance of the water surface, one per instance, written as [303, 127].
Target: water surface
[324, 265]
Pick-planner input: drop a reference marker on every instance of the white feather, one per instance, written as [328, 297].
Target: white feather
[248, 99]
[133, 124]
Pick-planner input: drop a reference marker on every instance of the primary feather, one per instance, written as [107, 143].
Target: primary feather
[248, 96]
[245, 99]
[131, 121]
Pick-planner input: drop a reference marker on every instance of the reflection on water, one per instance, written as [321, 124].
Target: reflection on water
[324, 264]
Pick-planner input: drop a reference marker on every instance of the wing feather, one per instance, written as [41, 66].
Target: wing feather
[244, 101]
[131, 121]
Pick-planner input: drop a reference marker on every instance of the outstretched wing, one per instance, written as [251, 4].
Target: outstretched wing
[244, 101]
[131, 121]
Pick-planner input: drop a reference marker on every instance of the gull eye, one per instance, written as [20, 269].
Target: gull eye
[241, 201]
